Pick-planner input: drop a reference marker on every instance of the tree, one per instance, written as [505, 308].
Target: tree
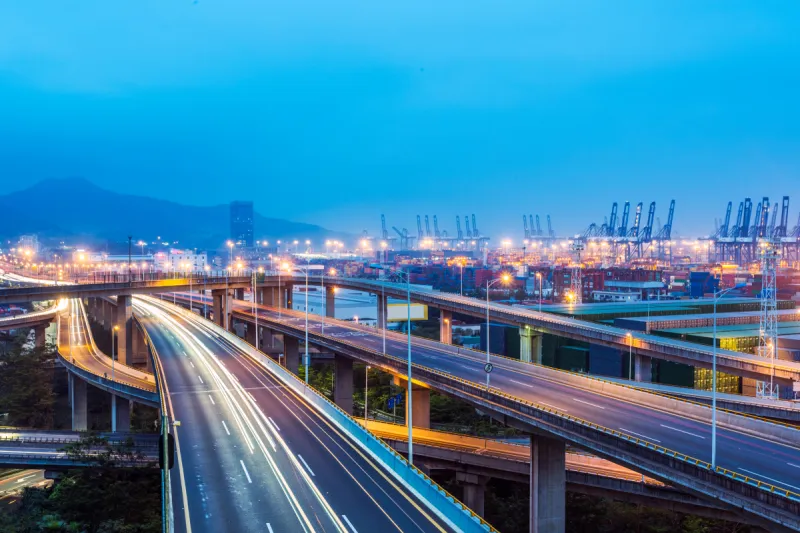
[26, 392]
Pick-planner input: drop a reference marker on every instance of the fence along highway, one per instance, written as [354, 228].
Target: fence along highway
[254, 456]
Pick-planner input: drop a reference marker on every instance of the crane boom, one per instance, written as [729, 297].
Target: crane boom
[550, 228]
[419, 230]
[384, 233]
[612, 220]
[623, 227]
[744, 229]
[475, 227]
[436, 227]
[636, 220]
[525, 226]
[648, 230]
[538, 227]
[725, 225]
[469, 231]
[458, 228]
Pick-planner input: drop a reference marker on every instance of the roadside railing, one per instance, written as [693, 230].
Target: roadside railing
[438, 499]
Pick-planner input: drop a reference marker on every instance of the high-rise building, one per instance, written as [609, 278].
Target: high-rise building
[242, 224]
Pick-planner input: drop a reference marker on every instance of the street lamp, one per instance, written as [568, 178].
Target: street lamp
[284, 266]
[366, 393]
[325, 297]
[505, 278]
[541, 281]
[230, 246]
[409, 393]
[717, 296]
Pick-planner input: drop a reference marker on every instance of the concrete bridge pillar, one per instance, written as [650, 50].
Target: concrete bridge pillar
[420, 403]
[548, 485]
[238, 294]
[343, 383]
[383, 311]
[39, 335]
[125, 334]
[265, 339]
[250, 334]
[445, 327]
[474, 490]
[287, 299]
[644, 368]
[220, 304]
[78, 402]
[291, 353]
[530, 345]
[269, 296]
[120, 414]
[330, 301]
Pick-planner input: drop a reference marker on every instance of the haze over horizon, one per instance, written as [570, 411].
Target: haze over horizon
[335, 114]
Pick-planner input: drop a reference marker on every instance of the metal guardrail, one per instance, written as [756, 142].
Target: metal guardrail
[479, 390]
[89, 375]
[441, 501]
[168, 513]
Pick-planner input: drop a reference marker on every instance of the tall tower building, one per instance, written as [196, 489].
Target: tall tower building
[242, 224]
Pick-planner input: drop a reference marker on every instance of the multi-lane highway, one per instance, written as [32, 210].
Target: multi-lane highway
[763, 458]
[251, 455]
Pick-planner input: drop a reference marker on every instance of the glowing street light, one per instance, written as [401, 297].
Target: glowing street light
[504, 279]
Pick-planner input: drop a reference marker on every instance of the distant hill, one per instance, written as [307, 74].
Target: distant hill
[77, 209]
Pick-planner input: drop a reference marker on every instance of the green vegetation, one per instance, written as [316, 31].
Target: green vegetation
[26, 391]
[107, 497]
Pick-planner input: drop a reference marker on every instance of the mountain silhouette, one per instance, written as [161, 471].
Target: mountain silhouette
[75, 208]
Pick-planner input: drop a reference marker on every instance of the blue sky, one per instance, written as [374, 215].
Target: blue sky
[336, 112]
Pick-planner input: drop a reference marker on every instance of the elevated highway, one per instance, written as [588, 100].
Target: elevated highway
[79, 354]
[533, 322]
[757, 471]
[45, 449]
[256, 453]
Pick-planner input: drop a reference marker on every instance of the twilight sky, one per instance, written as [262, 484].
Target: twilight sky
[333, 112]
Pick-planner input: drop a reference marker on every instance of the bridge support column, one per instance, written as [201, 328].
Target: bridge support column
[120, 414]
[125, 334]
[78, 400]
[474, 490]
[330, 301]
[530, 345]
[343, 383]
[219, 302]
[238, 294]
[420, 403]
[644, 368]
[445, 327]
[250, 334]
[269, 296]
[287, 301]
[39, 335]
[291, 353]
[265, 336]
[548, 485]
[383, 312]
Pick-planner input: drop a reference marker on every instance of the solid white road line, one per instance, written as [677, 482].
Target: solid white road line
[794, 465]
[269, 528]
[521, 383]
[554, 406]
[201, 379]
[226, 427]
[273, 423]
[191, 364]
[305, 464]
[212, 400]
[349, 524]
[587, 403]
[760, 476]
[682, 431]
[246, 473]
[651, 439]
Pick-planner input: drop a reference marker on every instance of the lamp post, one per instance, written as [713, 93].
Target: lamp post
[366, 393]
[541, 290]
[503, 279]
[717, 296]
[205, 305]
[305, 355]
[325, 297]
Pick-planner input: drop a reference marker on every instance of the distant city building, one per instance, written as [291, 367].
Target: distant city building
[185, 260]
[242, 224]
[29, 242]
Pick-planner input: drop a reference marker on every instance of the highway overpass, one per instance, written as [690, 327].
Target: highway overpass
[532, 324]
[663, 438]
[254, 448]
